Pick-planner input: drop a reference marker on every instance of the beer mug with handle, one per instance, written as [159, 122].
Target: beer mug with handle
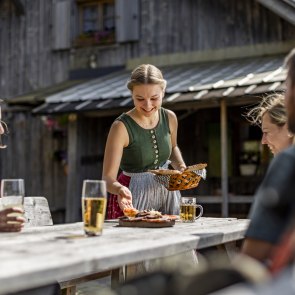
[188, 206]
[94, 199]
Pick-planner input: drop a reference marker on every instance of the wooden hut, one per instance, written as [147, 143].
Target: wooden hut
[60, 50]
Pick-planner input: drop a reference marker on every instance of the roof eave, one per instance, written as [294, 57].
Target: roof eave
[282, 8]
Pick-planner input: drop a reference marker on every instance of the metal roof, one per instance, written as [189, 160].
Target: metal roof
[284, 8]
[39, 95]
[192, 83]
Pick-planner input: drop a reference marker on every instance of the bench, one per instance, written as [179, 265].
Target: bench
[37, 211]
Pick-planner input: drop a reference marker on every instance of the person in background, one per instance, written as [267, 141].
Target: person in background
[141, 139]
[16, 226]
[9, 223]
[6, 219]
[274, 206]
[271, 116]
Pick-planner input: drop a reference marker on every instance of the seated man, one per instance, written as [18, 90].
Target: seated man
[274, 205]
[6, 225]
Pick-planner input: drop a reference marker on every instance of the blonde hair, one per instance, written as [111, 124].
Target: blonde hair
[146, 74]
[274, 105]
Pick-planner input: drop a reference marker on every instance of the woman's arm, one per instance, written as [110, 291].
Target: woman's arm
[117, 139]
[176, 158]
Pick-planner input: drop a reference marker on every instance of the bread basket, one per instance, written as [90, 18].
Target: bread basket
[176, 180]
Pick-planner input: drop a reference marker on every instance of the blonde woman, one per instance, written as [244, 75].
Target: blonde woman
[271, 116]
[274, 208]
[141, 139]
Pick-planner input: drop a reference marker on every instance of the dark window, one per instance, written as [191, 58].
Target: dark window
[89, 19]
[96, 22]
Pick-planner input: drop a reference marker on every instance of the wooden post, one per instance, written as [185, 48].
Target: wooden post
[224, 168]
[73, 182]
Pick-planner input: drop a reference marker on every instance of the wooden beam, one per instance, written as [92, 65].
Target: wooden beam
[72, 197]
[281, 8]
[73, 282]
[224, 162]
[211, 55]
[231, 200]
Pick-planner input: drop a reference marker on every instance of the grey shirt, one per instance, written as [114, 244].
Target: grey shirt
[274, 205]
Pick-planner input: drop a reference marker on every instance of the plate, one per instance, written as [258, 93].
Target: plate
[172, 217]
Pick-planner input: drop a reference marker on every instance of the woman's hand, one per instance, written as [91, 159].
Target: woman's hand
[182, 167]
[11, 227]
[124, 198]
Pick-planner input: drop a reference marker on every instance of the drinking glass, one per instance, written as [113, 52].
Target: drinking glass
[12, 194]
[188, 206]
[94, 200]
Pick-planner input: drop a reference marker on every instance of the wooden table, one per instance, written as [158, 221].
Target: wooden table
[41, 255]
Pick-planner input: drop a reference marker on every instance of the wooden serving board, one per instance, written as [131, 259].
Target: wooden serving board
[146, 224]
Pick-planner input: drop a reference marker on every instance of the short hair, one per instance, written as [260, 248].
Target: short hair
[290, 64]
[274, 105]
[146, 74]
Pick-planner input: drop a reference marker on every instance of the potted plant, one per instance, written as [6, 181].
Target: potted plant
[249, 161]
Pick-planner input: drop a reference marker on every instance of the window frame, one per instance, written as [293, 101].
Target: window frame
[100, 35]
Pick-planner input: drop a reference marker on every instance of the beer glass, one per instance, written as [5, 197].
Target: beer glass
[12, 194]
[188, 208]
[94, 200]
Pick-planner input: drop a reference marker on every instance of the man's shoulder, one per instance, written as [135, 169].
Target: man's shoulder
[286, 155]
[280, 175]
[289, 151]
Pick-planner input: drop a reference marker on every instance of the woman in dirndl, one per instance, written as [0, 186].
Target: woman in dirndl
[143, 138]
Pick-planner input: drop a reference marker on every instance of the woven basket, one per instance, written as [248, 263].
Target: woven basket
[176, 180]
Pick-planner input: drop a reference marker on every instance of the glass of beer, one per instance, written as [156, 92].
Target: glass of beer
[188, 206]
[94, 200]
[12, 195]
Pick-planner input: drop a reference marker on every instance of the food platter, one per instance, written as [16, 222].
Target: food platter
[163, 221]
[146, 218]
[148, 223]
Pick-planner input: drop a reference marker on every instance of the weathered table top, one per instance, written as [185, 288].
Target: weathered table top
[41, 255]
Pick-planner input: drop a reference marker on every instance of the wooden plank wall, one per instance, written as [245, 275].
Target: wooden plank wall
[27, 61]
[86, 158]
[30, 155]
[172, 26]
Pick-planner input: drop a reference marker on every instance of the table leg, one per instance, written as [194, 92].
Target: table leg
[229, 248]
[117, 276]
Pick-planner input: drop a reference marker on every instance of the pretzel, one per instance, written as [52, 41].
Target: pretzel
[165, 172]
